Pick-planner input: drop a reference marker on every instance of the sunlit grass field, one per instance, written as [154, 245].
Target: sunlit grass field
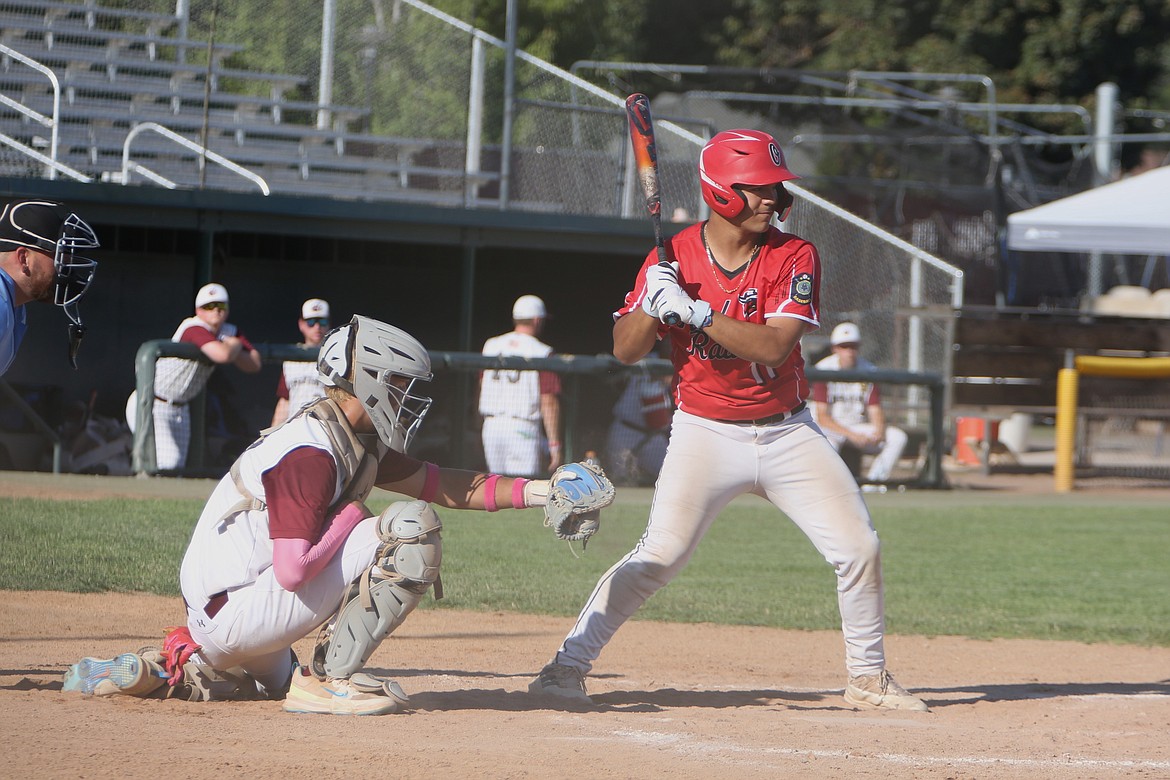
[955, 562]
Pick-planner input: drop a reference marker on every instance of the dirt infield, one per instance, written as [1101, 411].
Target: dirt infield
[679, 701]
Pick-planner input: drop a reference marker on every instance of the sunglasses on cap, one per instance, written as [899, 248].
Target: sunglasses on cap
[214, 306]
[314, 322]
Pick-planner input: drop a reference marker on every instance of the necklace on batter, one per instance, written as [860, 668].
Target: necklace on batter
[742, 272]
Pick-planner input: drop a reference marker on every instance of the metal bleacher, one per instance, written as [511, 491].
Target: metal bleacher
[117, 69]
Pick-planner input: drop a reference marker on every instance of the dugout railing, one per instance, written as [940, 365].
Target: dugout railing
[143, 460]
[450, 434]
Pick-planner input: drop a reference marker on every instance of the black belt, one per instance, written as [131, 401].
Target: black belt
[776, 418]
[172, 403]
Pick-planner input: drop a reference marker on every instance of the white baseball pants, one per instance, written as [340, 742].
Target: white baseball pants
[709, 463]
[172, 435]
[260, 622]
[514, 447]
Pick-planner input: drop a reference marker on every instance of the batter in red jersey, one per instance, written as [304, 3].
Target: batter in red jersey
[744, 294]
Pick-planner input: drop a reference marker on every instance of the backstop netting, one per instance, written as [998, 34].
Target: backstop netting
[1122, 432]
[422, 94]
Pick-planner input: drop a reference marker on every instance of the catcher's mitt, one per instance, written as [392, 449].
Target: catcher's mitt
[577, 493]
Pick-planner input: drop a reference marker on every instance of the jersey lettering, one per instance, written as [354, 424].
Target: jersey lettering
[782, 282]
[707, 348]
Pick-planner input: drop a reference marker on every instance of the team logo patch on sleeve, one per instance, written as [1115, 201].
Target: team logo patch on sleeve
[802, 289]
[749, 302]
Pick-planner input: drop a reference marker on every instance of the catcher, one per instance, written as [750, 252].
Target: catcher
[286, 544]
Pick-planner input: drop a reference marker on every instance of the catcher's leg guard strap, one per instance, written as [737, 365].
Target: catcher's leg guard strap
[202, 683]
[381, 598]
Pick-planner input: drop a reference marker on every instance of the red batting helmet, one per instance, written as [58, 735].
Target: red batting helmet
[739, 157]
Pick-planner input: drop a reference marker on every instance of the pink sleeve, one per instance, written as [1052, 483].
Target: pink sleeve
[295, 561]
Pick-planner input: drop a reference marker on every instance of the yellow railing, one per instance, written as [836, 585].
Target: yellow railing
[1067, 380]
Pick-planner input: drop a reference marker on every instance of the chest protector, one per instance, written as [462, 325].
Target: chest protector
[357, 457]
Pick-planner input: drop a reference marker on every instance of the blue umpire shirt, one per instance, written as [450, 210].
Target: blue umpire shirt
[12, 322]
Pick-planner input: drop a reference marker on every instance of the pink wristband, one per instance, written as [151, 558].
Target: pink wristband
[489, 493]
[518, 501]
[431, 486]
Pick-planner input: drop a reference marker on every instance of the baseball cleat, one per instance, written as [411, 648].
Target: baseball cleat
[95, 677]
[881, 691]
[308, 695]
[560, 680]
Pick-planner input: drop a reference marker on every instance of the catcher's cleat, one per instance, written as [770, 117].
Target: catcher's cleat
[881, 691]
[560, 680]
[127, 673]
[331, 696]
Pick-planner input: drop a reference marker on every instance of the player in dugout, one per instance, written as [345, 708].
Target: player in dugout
[743, 294]
[286, 543]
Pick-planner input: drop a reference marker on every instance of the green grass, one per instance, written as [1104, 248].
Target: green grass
[954, 563]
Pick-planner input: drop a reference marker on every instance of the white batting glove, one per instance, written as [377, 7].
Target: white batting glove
[678, 304]
[660, 279]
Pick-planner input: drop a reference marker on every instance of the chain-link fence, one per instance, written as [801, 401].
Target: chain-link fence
[397, 100]
[1122, 432]
[900, 297]
[591, 390]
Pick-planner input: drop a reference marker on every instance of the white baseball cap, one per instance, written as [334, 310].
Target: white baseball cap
[211, 293]
[528, 307]
[314, 307]
[845, 333]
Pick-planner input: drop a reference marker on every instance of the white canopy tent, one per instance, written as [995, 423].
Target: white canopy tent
[1131, 216]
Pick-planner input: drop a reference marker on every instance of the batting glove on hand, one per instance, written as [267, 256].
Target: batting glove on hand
[677, 304]
[660, 279]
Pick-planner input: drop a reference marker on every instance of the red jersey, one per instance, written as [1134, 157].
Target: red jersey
[783, 281]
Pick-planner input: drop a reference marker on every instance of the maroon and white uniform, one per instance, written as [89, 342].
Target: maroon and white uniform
[514, 440]
[742, 427]
[849, 404]
[299, 384]
[236, 608]
[176, 382]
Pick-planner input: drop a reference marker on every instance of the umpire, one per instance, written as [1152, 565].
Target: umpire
[39, 242]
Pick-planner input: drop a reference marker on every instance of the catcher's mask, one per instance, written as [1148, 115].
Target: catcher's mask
[736, 158]
[380, 365]
[49, 227]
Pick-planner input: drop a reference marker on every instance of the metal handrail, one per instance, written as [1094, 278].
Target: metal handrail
[51, 123]
[203, 152]
[143, 459]
[54, 166]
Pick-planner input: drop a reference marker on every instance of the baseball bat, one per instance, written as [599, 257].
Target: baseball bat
[646, 162]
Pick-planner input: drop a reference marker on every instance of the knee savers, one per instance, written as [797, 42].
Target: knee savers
[378, 601]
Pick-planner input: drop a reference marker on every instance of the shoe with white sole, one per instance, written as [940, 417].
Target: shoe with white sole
[881, 691]
[357, 695]
[128, 673]
[560, 680]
